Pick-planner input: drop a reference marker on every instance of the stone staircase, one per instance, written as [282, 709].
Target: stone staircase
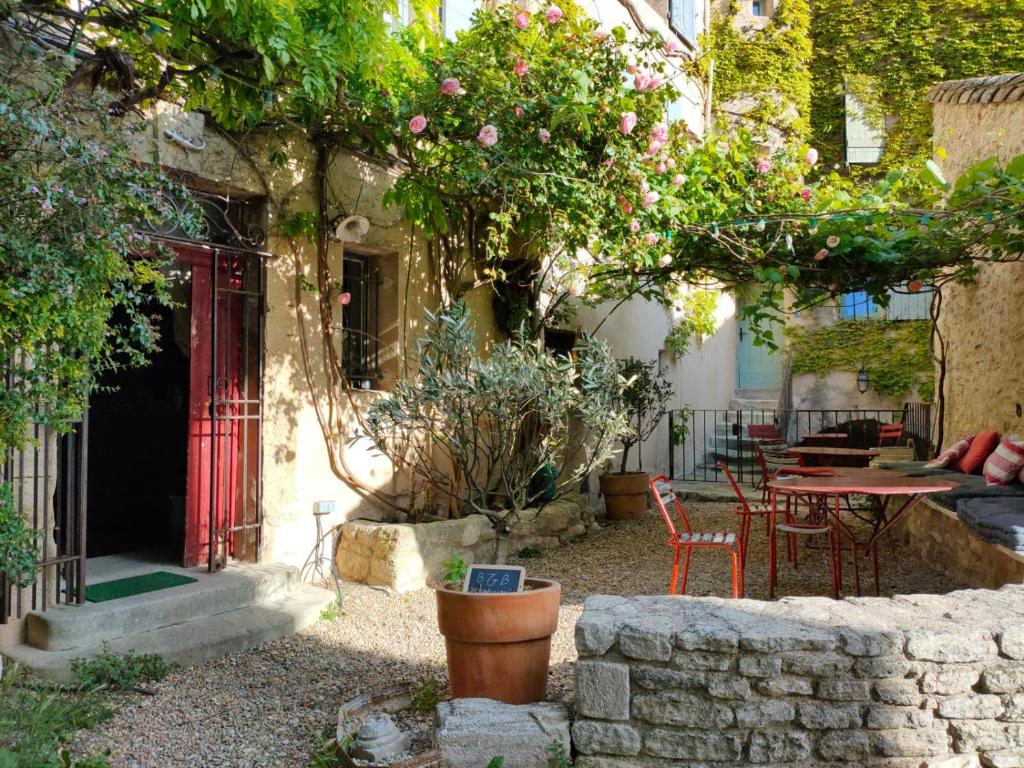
[239, 608]
[736, 450]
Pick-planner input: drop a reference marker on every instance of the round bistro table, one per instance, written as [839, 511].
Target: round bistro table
[825, 456]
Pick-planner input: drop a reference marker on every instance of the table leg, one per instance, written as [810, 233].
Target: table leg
[839, 550]
[773, 500]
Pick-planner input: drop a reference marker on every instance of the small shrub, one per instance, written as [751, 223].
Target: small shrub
[425, 700]
[331, 612]
[496, 762]
[529, 552]
[453, 571]
[116, 672]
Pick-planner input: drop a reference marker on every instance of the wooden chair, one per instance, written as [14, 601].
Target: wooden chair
[687, 540]
[891, 432]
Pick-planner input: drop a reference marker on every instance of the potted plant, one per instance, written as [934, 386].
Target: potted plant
[643, 399]
[18, 545]
[482, 431]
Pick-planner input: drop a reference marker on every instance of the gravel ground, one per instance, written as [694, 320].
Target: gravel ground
[267, 708]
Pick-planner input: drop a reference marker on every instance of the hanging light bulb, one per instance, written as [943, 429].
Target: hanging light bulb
[760, 225]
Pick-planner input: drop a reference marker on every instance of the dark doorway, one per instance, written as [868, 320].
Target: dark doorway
[138, 437]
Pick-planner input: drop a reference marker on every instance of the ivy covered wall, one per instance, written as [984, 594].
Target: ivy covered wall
[896, 354]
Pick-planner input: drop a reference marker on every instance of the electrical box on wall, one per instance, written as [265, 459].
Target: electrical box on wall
[326, 507]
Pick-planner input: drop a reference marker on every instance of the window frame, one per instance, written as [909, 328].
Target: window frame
[688, 37]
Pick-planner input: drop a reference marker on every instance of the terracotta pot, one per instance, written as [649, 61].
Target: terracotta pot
[499, 645]
[625, 495]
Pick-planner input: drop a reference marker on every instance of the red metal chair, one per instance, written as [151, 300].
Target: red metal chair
[688, 540]
[889, 432]
[767, 432]
[779, 460]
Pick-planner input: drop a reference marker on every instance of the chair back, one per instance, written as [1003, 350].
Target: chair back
[889, 432]
[664, 494]
[735, 486]
[768, 432]
[759, 458]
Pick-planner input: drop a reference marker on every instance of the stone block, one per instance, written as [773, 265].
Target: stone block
[975, 735]
[971, 707]
[728, 687]
[1003, 758]
[779, 746]
[595, 633]
[758, 714]
[660, 678]
[816, 664]
[698, 745]
[877, 667]
[845, 746]
[949, 647]
[819, 715]
[911, 742]
[760, 666]
[595, 738]
[948, 680]
[785, 686]
[844, 690]
[775, 636]
[714, 637]
[871, 642]
[899, 692]
[1011, 642]
[602, 690]
[682, 710]
[1006, 678]
[1013, 708]
[595, 761]
[882, 717]
[470, 732]
[702, 660]
[649, 640]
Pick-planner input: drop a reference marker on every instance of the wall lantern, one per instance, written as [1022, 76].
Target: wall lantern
[863, 379]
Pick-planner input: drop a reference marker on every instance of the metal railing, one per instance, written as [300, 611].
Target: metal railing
[713, 435]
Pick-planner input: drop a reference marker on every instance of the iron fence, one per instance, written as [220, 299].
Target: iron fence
[700, 438]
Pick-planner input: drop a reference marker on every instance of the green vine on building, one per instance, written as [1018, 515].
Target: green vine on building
[896, 354]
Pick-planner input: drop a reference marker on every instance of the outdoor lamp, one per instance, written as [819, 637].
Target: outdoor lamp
[862, 380]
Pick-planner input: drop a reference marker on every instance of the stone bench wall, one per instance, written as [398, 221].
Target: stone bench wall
[409, 556]
[906, 682]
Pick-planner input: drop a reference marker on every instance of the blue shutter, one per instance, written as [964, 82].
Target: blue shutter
[683, 19]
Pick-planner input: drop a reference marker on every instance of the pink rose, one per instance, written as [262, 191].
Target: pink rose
[523, 19]
[450, 86]
[553, 14]
[651, 198]
[654, 83]
[488, 135]
[544, 135]
[661, 167]
[625, 205]
[811, 158]
[805, 193]
[672, 45]
[645, 187]
[654, 147]
[417, 124]
[631, 68]
[763, 166]
[665, 261]
[641, 82]
[600, 34]
[678, 180]
[723, 147]
[915, 286]
[627, 123]
[651, 238]
[634, 226]
[520, 67]
[345, 298]
[821, 255]
[518, 111]
[660, 132]
[671, 162]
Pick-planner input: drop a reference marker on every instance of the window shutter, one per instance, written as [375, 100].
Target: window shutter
[683, 19]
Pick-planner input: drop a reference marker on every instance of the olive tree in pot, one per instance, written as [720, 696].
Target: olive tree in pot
[644, 395]
[483, 431]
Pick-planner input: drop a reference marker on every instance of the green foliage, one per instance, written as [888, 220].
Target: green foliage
[645, 393]
[498, 421]
[527, 553]
[496, 762]
[331, 613]
[557, 756]
[896, 50]
[896, 355]
[328, 754]
[18, 541]
[425, 700]
[681, 425]
[73, 224]
[697, 322]
[36, 723]
[768, 65]
[453, 571]
[113, 671]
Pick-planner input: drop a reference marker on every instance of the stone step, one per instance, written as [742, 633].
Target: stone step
[758, 408]
[196, 640]
[67, 627]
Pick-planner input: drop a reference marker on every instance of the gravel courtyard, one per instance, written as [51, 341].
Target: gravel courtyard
[269, 707]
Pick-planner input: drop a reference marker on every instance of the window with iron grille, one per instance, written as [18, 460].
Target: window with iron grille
[360, 320]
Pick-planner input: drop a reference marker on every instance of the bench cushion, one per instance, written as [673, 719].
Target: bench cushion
[915, 468]
[999, 520]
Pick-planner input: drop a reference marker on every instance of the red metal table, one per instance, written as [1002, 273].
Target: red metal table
[825, 440]
[879, 483]
[823, 456]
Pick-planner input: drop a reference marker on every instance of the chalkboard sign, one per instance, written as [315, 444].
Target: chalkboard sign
[494, 578]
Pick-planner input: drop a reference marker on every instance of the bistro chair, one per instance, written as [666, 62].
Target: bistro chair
[891, 432]
[770, 462]
[766, 432]
[686, 540]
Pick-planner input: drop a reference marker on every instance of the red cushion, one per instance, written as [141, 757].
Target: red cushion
[974, 459]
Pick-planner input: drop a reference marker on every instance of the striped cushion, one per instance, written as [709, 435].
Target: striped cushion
[951, 455]
[1006, 461]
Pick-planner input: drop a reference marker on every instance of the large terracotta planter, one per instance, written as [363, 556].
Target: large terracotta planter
[625, 495]
[499, 645]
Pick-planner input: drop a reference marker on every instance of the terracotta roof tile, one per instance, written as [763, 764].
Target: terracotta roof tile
[979, 90]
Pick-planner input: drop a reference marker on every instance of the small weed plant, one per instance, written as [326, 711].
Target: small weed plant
[425, 700]
[331, 613]
[112, 671]
[527, 553]
[453, 572]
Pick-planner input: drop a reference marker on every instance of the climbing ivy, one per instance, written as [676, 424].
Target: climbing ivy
[766, 65]
[892, 51]
[697, 321]
[896, 355]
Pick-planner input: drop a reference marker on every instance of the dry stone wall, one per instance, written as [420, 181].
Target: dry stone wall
[906, 682]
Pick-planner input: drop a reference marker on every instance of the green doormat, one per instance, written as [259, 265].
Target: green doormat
[134, 585]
